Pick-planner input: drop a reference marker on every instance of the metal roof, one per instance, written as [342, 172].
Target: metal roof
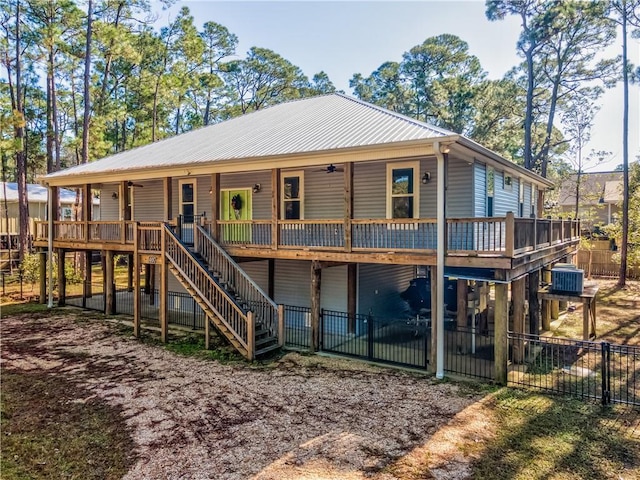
[593, 187]
[314, 124]
[38, 194]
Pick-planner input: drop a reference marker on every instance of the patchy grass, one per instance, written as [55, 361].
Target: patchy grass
[618, 315]
[11, 309]
[51, 429]
[553, 437]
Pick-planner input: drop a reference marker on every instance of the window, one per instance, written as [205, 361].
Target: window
[292, 196]
[508, 183]
[490, 190]
[521, 198]
[402, 190]
[187, 200]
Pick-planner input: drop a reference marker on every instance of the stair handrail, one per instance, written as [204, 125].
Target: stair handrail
[259, 302]
[227, 310]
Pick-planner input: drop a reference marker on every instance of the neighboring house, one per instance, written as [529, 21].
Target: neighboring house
[598, 201]
[37, 195]
[331, 207]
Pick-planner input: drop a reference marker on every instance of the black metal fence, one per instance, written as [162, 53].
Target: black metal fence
[297, 326]
[603, 371]
[398, 342]
[469, 351]
[183, 310]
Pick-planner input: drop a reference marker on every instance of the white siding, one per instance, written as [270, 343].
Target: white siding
[379, 288]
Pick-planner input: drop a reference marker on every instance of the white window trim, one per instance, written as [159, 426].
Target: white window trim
[292, 173]
[181, 182]
[415, 165]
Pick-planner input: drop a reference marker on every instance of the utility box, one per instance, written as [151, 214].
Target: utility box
[567, 279]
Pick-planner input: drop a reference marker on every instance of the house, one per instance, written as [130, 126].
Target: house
[599, 199]
[309, 218]
[37, 195]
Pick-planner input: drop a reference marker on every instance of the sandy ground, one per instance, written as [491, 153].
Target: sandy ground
[302, 417]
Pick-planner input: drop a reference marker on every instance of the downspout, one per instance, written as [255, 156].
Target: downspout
[441, 229]
[50, 243]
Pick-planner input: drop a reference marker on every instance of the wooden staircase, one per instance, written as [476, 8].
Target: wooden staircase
[246, 317]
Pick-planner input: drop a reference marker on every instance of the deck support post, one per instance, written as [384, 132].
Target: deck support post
[62, 279]
[215, 206]
[555, 304]
[440, 152]
[316, 275]
[501, 323]
[433, 275]
[534, 302]
[164, 287]
[546, 304]
[130, 273]
[462, 334]
[109, 284]
[86, 284]
[167, 198]
[275, 207]
[136, 282]
[271, 273]
[52, 204]
[42, 276]
[348, 205]
[352, 289]
[517, 296]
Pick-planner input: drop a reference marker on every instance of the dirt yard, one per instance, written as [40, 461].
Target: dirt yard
[302, 417]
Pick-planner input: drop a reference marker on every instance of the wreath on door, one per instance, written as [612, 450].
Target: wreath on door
[236, 205]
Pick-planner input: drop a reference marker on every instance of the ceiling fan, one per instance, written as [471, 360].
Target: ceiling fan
[331, 169]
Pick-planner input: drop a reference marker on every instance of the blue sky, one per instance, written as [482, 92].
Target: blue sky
[347, 37]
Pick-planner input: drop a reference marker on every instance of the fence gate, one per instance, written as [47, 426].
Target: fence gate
[603, 371]
[400, 342]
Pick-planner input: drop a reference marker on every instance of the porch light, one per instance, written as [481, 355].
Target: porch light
[257, 187]
[426, 177]
[114, 195]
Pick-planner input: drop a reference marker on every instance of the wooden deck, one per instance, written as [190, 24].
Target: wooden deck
[504, 243]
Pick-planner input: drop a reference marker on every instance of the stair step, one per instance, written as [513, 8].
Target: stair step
[264, 350]
[265, 341]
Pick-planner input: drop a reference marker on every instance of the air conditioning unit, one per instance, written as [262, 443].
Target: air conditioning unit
[567, 279]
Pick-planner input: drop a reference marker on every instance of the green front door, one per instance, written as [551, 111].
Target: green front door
[236, 205]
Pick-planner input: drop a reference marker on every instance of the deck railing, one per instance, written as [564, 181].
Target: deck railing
[239, 323]
[490, 236]
[247, 290]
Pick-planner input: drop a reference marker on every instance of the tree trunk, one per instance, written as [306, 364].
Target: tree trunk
[622, 280]
[21, 160]
[87, 85]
